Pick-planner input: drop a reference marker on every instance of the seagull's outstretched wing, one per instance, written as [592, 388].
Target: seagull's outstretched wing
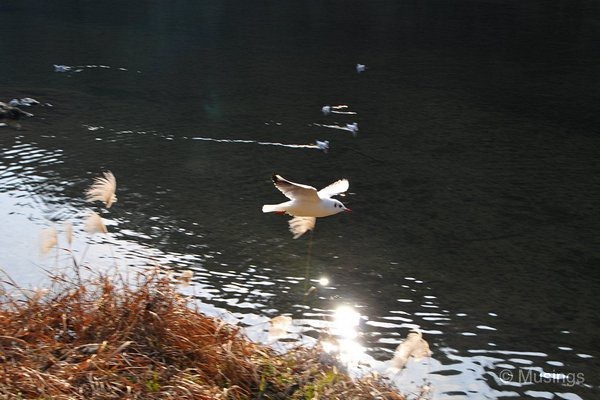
[295, 191]
[300, 225]
[335, 188]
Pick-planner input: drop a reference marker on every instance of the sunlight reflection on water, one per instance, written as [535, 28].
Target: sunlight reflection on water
[346, 321]
[247, 294]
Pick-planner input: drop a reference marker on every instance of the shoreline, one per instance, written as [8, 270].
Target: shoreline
[108, 338]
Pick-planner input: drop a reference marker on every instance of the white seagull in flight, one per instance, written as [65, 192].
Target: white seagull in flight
[306, 203]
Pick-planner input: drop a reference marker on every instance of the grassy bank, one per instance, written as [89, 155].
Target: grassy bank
[110, 339]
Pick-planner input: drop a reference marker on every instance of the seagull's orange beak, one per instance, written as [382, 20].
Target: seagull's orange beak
[346, 209]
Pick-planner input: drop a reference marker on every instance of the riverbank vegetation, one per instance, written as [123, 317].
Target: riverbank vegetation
[109, 337]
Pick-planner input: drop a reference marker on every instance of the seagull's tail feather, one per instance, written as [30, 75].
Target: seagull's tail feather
[272, 208]
[300, 225]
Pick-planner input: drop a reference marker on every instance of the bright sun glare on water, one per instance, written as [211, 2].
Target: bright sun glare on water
[345, 326]
[323, 281]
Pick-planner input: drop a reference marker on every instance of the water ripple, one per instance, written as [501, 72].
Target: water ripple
[250, 293]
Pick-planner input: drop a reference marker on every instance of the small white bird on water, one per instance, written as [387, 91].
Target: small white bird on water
[353, 127]
[306, 203]
[322, 145]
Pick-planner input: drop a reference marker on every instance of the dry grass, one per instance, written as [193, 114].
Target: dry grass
[108, 339]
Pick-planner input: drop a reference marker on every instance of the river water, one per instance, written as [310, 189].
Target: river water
[474, 177]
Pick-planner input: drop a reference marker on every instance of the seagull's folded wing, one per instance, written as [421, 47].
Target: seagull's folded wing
[300, 225]
[335, 188]
[295, 191]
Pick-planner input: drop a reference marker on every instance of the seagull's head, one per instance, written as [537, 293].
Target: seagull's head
[339, 207]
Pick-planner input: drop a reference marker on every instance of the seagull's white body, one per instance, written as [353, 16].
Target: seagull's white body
[306, 203]
[299, 208]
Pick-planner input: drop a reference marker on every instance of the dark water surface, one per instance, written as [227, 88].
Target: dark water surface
[475, 176]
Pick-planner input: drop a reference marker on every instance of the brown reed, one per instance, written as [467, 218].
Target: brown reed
[107, 338]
